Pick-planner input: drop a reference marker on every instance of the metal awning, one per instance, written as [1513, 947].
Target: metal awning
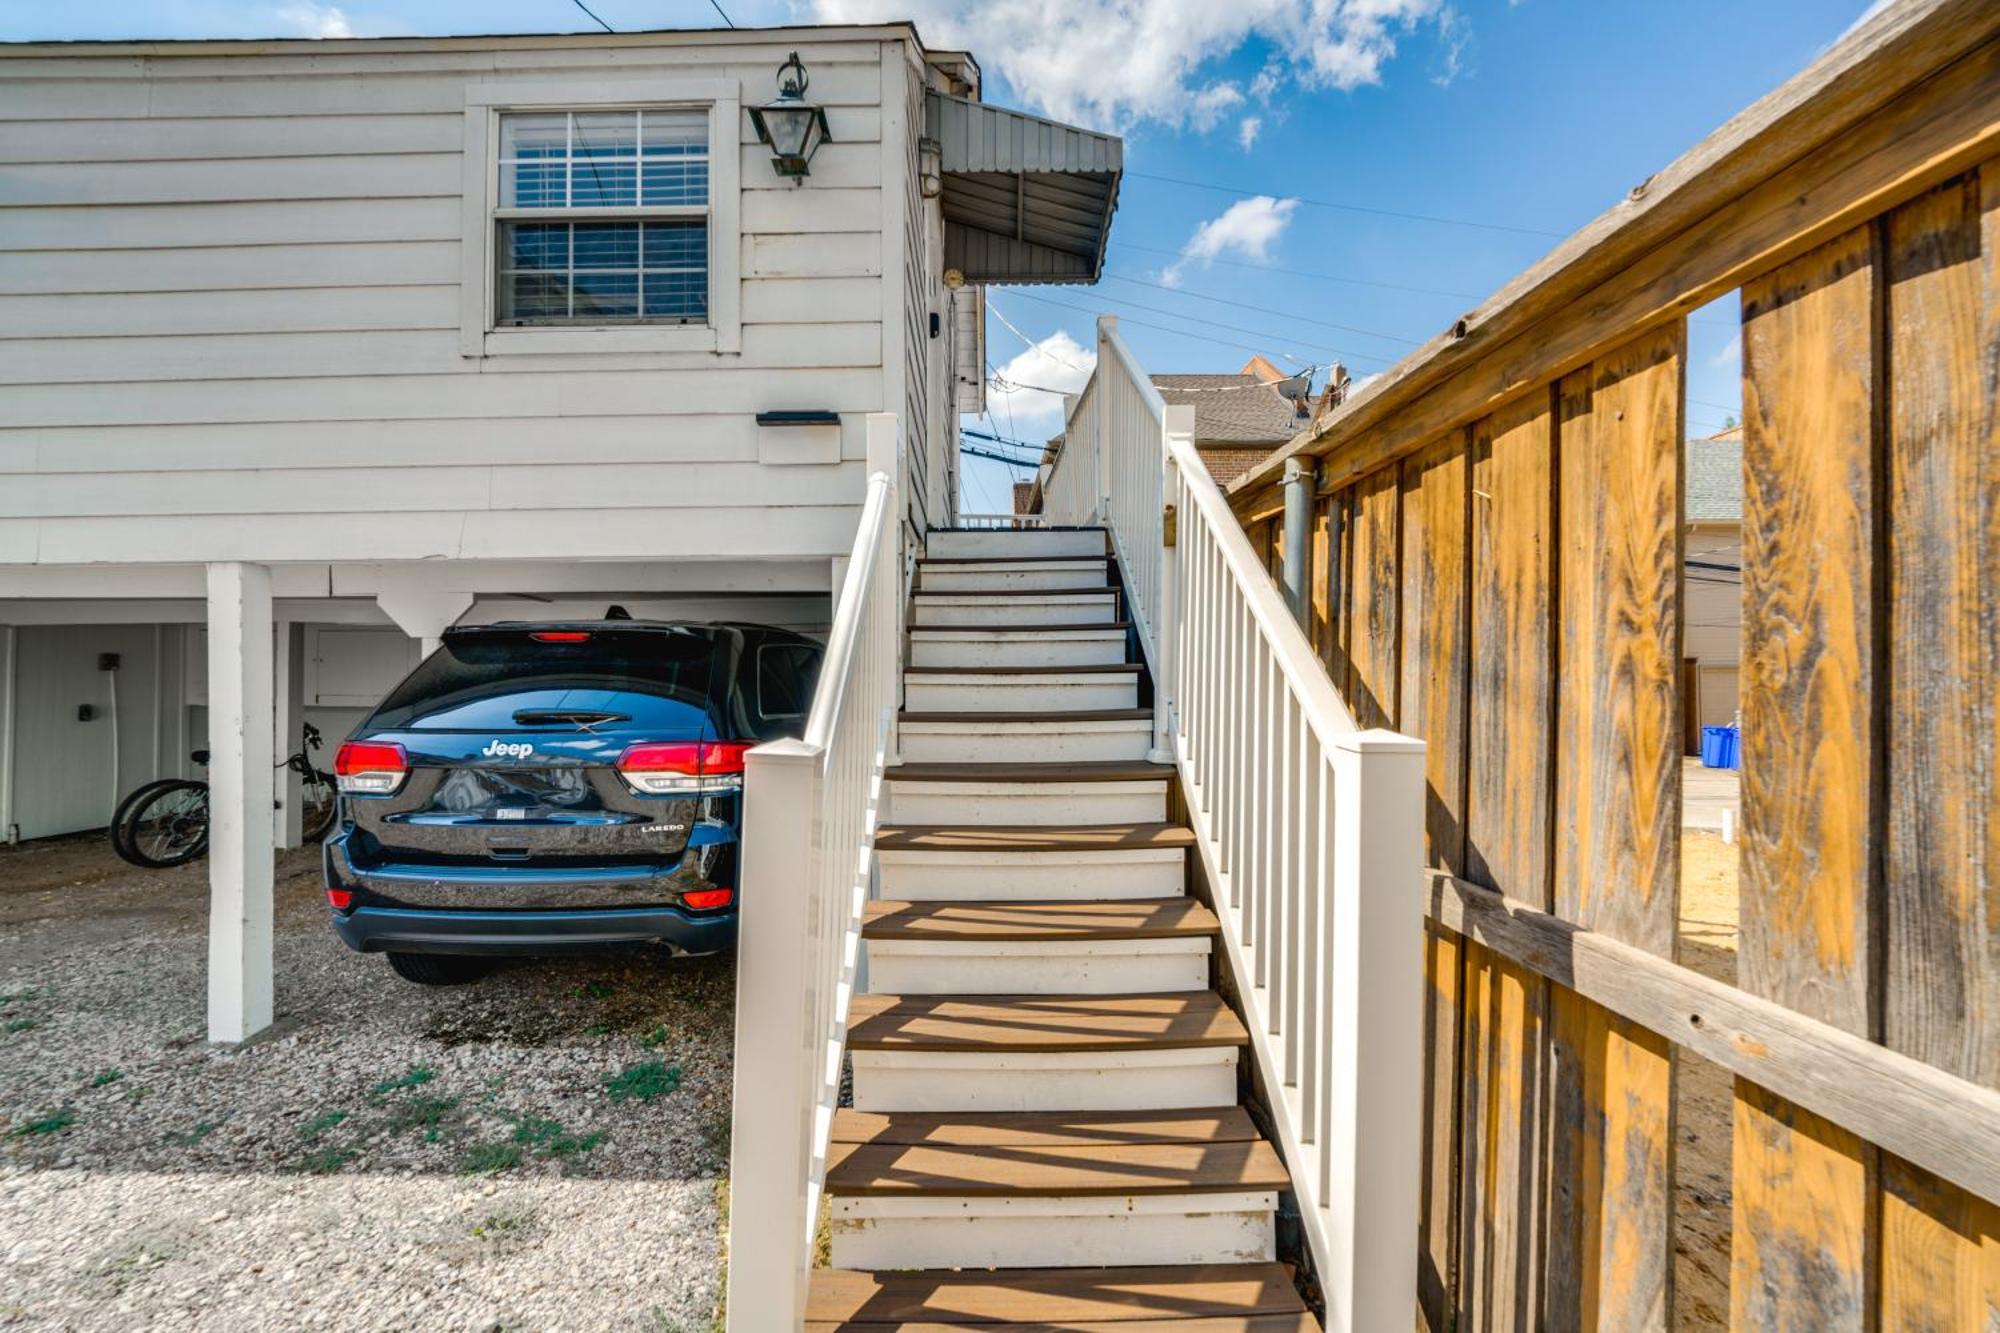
[1025, 199]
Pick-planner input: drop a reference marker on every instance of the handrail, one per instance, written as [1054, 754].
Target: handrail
[806, 869]
[1309, 834]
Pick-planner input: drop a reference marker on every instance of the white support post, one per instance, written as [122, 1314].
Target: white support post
[1179, 425]
[1374, 928]
[1107, 325]
[885, 447]
[9, 830]
[777, 1048]
[240, 823]
[289, 671]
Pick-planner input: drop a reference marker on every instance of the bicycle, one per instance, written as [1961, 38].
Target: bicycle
[165, 823]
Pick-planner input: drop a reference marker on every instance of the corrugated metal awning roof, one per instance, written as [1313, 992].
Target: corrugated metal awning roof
[1025, 199]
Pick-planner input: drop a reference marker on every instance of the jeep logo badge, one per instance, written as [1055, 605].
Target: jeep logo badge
[507, 750]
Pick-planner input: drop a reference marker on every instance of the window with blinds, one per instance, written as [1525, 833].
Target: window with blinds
[603, 218]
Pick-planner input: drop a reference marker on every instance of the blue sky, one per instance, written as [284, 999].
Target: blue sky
[1529, 117]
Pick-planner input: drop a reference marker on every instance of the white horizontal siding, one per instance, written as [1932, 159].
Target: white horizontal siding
[230, 305]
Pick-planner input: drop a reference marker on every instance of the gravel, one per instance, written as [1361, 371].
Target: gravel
[542, 1149]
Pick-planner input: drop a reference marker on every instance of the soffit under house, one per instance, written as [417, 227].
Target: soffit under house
[1026, 200]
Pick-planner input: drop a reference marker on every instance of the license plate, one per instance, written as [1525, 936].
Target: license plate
[506, 812]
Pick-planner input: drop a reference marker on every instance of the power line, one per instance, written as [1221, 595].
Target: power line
[1002, 439]
[1349, 208]
[593, 17]
[1307, 273]
[1225, 342]
[1266, 310]
[1033, 346]
[718, 9]
[976, 452]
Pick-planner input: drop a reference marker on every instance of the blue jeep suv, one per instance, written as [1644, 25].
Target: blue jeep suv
[560, 787]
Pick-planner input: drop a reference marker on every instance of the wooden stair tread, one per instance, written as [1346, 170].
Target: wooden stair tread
[1190, 1298]
[1013, 559]
[1039, 715]
[1103, 770]
[905, 1169]
[1091, 669]
[1167, 1021]
[1039, 594]
[1031, 837]
[1045, 1129]
[1124, 919]
[918, 631]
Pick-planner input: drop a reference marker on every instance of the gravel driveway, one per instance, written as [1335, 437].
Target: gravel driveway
[542, 1149]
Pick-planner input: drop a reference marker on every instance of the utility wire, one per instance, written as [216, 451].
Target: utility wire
[1347, 354]
[718, 9]
[1348, 208]
[1034, 346]
[593, 17]
[1266, 310]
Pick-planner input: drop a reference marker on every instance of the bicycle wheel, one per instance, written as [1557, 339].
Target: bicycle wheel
[317, 804]
[162, 824]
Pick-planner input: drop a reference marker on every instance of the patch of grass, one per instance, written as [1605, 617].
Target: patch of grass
[192, 1136]
[596, 1030]
[646, 1080]
[417, 1076]
[504, 1225]
[109, 1076]
[596, 990]
[23, 1024]
[657, 1037]
[320, 1124]
[23, 996]
[326, 1161]
[52, 1123]
[549, 1139]
[426, 1113]
[483, 1159]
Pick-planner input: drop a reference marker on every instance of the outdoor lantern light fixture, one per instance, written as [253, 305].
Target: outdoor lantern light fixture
[793, 127]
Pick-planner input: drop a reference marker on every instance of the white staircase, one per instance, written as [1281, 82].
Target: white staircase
[1045, 1082]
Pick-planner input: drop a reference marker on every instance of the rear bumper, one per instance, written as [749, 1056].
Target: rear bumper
[502, 910]
[407, 930]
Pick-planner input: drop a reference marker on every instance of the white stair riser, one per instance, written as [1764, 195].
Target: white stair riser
[1020, 694]
[1052, 742]
[1035, 967]
[1071, 648]
[977, 1232]
[1043, 803]
[1028, 609]
[972, 544]
[1011, 578]
[1032, 876]
[1044, 1081]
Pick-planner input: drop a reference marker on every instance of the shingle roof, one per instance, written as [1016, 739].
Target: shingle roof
[1249, 415]
[1715, 478]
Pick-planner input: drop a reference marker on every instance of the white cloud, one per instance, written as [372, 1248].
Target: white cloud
[1118, 63]
[312, 20]
[1057, 363]
[1730, 353]
[1247, 227]
[1246, 131]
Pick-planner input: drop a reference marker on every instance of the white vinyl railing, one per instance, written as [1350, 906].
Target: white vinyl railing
[808, 851]
[1073, 491]
[1310, 834]
[991, 521]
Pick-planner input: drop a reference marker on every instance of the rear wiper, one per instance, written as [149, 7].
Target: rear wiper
[582, 719]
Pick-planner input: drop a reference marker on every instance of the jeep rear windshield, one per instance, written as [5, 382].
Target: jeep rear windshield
[529, 679]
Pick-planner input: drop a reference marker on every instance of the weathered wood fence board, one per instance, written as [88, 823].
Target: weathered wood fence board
[1497, 568]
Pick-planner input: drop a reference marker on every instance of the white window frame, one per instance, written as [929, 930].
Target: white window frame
[486, 103]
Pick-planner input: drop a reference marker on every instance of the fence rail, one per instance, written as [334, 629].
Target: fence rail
[810, 809]
[1499, 529]
[1309, 833]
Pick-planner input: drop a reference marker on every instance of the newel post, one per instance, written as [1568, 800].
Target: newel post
[885, 455]
[774, 1101]
[1375, 927]
[1107, 329]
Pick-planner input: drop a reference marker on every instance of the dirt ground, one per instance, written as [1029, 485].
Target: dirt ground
[1704, 1097]
[542, 1149]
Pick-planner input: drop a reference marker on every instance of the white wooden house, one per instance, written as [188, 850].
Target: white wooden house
[320, 347]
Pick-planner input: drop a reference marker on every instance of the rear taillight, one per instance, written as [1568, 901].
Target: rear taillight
[684, 768]
[340, 899]
[560, 636]
[708, 898]
[370, 768]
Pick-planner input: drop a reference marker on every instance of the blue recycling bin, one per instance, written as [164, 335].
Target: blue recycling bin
[1721, 747]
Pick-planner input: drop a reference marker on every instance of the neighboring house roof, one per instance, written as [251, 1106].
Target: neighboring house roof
[1248, 414]
[1715, 478]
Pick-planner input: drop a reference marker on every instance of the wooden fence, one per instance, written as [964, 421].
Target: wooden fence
[1498, 562]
